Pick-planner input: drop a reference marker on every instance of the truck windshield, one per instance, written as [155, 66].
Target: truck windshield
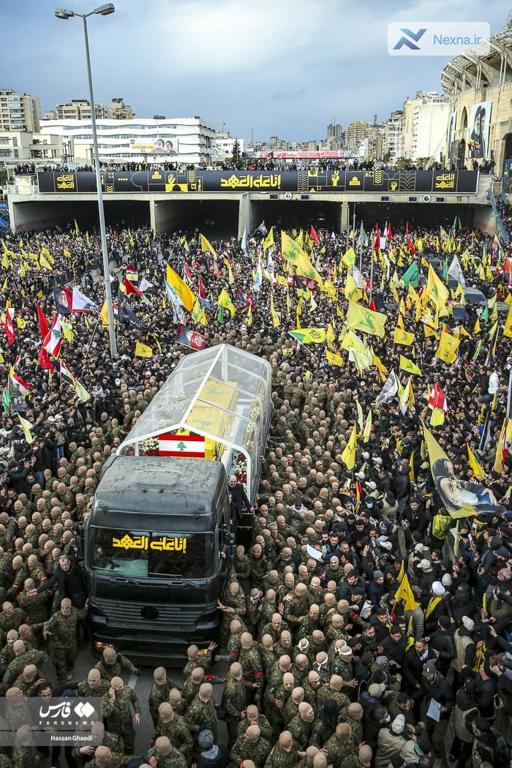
[143, 554]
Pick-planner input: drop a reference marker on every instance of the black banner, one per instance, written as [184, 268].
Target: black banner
[304, 180]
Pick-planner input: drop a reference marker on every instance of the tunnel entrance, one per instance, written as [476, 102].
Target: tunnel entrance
[296, 214]
[37, 215]
[213, 218]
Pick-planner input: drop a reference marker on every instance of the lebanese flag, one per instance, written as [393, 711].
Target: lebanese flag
[313, 234]
[190, 339]
[42, 322]
[44, 360]
[387, 232]
[438, 399]
[9, 327]
[53, 339]
[186, 446]
[130, 288]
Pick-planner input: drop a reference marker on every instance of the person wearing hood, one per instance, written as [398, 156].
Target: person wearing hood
[391, 741]
[435, 687]
[435, 605]
[212, 755]
[465, 647]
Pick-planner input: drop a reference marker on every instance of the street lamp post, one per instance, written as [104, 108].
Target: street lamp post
[102, 10]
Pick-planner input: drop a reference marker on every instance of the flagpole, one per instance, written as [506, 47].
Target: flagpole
[371, 276]
[92, 336]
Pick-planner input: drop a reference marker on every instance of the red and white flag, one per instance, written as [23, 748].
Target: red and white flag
[190, 338]
[187, 446]
[53, 339]
[9, 326]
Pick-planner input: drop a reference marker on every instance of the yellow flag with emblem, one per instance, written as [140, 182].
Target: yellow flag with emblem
[142, 350]
[402, 337]
[206, 246]
[405, 593]
[507, 328]
[367, 426]
[475, 465]
[183, 292]
[26, 427]
[334, 358]
[435, 289]
[276, 320]
[348, 456]
[410, 367]
[225, 302]
[448, 346]
[360, 318]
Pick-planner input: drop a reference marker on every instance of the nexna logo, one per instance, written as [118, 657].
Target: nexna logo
[410, 38]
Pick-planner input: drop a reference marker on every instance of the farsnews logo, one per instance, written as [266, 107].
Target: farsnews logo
[410, 39]
[438, 38]
[64, 710]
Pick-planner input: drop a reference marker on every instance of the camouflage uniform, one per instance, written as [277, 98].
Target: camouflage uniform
[11, 622]
[64, 649]
[204, 660]
[201, 715]
[157, 695]
[262, 723]
[18, 664]
[189, 692]
[244, 750]
[177, 731]
[234, 701]
[300, 730]
[338, 751]
[118, 714]
[110, 740]
[24, 757]
[173, 760]
[35, 608]
[325, 693]
[85, 690]
[252, 667]
[279, 758]
[108, 671]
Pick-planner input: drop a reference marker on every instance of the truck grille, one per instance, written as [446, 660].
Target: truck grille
[160, 614]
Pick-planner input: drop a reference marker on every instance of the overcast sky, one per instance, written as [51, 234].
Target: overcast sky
[277, 67]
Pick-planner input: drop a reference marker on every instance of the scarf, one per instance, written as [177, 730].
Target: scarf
[212, 753]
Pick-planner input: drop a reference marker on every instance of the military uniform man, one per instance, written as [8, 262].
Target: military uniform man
[94, 685]
[34, 607]
[22, 658]
[250, 746]
[300, 726]
[251, 664]
[10, 617]
[201, 713]
[112, 664]
[165, 755]
[175, 727]
[117, 707]
[254, 717]
[62, 629]
[191, 687]
[26, 682]
[82, 755]
[284, 754]
[340, 745]
[198, 658]
[160, 689]
[234, 699]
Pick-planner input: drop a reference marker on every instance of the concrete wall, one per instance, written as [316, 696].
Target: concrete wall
[484, 219]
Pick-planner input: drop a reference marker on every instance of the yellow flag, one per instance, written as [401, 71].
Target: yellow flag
[276, 320]
[43, 261]
[475, 465]
[362, 319]
[224, 300]
[334, 358]
[360, 417]
[383, 371]
[409, 366]
[507, 328]
[404, 592]
[448, 346]
[435, 289]
[142, 350]
[351, 291]
[411, 468]
[206, 246]
[249, 316]
[181, 289]
[402, 337]
[498, 457]
[268, 242]
[367, 427]
[26, 427]
[348, 456]
[330, 336]
[349, 258]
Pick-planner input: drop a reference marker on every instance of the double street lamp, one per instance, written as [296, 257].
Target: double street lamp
[102, 10]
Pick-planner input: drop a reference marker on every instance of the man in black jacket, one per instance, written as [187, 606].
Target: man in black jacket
[238, 501]
[68, 579]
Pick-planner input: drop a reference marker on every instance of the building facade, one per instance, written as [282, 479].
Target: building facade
[19, 111]
[80, 109]
[424, 126]
[355, 136]
[480, 93]
[140, 140]
[392, 137]
[18, 147]
[225, 144]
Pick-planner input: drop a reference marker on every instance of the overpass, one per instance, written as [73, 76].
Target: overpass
[227, 202]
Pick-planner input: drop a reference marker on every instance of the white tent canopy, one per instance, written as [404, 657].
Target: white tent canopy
[222, 393]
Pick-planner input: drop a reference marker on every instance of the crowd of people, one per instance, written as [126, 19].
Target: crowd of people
[328, 665]
[268, 163]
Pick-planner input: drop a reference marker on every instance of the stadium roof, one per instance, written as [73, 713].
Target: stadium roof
[475, 70]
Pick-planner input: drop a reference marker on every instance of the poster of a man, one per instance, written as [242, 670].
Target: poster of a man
[479, 129]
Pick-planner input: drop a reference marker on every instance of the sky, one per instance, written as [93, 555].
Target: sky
[271, 67]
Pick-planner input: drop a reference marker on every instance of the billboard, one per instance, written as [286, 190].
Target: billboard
[304, 180]
[479, 128]
[157, 147]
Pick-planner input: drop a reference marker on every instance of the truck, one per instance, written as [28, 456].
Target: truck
[159, 541]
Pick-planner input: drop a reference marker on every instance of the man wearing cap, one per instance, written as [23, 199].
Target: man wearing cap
[212, 755]
[435, 687]
[414, 660]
